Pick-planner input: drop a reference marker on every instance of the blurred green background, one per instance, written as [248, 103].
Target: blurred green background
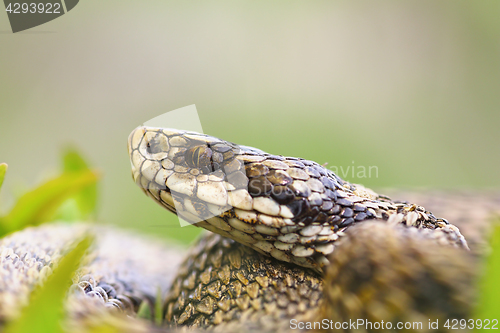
[411, 87]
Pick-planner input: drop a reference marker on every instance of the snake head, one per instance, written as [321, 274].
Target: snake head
[190, 174]
[268, 202]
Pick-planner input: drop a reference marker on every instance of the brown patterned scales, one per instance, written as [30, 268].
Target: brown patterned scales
[290, 209]
[318, 253]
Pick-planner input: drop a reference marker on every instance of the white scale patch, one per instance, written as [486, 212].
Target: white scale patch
[289, 238]
[155, 191]
[242, 237]
[188, 206]
[280, 255]
[240, 199]
[241, 226]
[275, 164]
[167, 164]
[266, 230]
[283, 246]
[264, 246]
[266, 205]
[298, 174]
[136, 159]
[217, 210]
[301, 251]
[271, 221]
[161, 177]
[212, 192]
[325, 249]
[246, 215]
[311, 230]
[219, 223]
[166, 197]
[177, 141]
[286, 212]
[149, 169]
[181, 183]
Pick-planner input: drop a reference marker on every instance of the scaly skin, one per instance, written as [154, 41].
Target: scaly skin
[289, 208]
[295, 211]
[121, 273]
[382, 269]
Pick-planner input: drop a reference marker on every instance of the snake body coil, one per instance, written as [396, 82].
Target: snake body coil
[293, 211]
[294, 246]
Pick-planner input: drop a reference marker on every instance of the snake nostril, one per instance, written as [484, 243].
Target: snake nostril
[157, 144]
[152, 147]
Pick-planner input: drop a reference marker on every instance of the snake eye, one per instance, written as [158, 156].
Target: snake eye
[201, 157]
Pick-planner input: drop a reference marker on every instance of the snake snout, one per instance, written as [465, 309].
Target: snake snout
[189, 173]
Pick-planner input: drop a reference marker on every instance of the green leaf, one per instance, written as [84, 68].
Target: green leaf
[105, 328]
[45, 311]
[489, 293]
[68, 211]
[86, 198]
[159, 308]
[73, 161]
[145, 311]
[154, 311]
[3, 170]
[39, 205]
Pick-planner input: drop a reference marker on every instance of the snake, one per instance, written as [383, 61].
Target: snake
[294, 213]
[289, 245]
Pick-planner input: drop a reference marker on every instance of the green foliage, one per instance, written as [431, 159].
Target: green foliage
[105, 328]
[71, 196]
[85, 200]
[45, 311]
[146, 312]
[159, 308]
[3, 170]
[489, 294]
[40, 204]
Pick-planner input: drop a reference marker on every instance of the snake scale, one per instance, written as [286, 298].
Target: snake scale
[291, 241]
